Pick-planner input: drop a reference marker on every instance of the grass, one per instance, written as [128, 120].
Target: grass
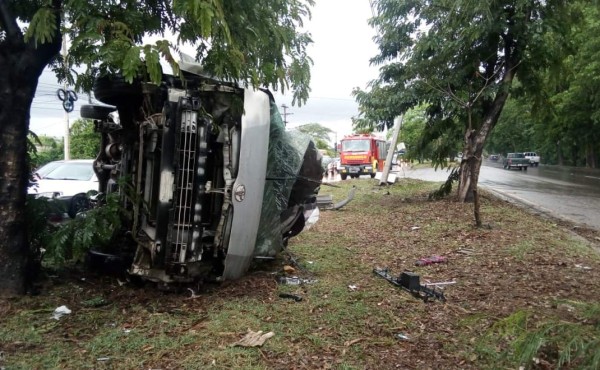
[509, 277]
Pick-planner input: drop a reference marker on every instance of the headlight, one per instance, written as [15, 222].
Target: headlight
[368, 168]
[342, 168]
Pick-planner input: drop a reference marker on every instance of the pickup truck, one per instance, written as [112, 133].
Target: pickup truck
[515, 160]
[534, 159]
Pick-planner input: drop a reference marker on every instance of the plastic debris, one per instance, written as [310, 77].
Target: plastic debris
[253, 339]
[583, 267]
[290, 280]
[414, 228]
[294, 280]
[401, 336]
[102, 359]
[312, 219]
[430, 260]
[353, 287]
[439, 284]
[60, 312]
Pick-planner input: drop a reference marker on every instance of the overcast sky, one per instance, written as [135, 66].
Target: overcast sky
[343, 45]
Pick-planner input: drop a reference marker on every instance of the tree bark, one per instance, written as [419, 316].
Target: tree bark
[21, 64]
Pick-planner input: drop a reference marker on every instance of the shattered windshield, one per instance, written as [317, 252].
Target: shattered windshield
[355, 145]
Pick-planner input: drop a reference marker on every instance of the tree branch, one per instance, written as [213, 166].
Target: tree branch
[449, 93]
[13, 32]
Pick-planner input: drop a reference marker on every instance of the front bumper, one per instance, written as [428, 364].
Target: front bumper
[357, 169]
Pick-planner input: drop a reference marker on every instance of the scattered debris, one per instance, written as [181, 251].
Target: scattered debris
[126, 331]
[253, 339]
[411, 282]
[467, 251]
[291, 280]
[192, 293]
[102, 359]
[295, 297]
[294, 280]
[401, 336]
[430, 260]
[311, 216]
[353, 287]
[289, 269]
[583, 267]
[441, 283]
[391, 179]
[414, 228]
[325, 201]
[60, 312]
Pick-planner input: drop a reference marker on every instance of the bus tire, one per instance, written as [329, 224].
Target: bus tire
[344, 176]
[372, 175]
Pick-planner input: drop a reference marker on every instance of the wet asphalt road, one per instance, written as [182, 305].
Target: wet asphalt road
[565, 192]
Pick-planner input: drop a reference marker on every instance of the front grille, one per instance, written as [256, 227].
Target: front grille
[182, 213]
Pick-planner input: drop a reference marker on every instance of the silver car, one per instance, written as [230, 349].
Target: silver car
[217, 179]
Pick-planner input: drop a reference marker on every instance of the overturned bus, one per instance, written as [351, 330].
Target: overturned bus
[206, 173]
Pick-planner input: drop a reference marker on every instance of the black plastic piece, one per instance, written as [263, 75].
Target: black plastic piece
[411, 283]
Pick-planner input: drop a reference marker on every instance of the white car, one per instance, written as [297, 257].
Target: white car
[65, 178]
[534, 159]
[68, 181]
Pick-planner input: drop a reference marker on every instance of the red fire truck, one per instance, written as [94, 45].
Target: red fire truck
[361, 155]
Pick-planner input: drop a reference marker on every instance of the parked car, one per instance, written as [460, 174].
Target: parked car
[46, 169]
[217, 179]
[494, 157]
[515, 160]
[534, 159]
[66, 181]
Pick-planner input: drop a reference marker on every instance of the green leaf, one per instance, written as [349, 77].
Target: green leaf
[43, 26]
[131, 63]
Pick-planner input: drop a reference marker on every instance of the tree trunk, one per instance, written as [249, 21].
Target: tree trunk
[474, 143]
[559, 154]
[21, 64]
[590, 156]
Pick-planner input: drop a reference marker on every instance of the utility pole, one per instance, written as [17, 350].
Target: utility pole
[335, 145]
[67, 133]
[390, 154]
[285, 114]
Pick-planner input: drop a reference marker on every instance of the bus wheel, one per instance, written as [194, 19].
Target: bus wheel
[344, 176]
[372, 175]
